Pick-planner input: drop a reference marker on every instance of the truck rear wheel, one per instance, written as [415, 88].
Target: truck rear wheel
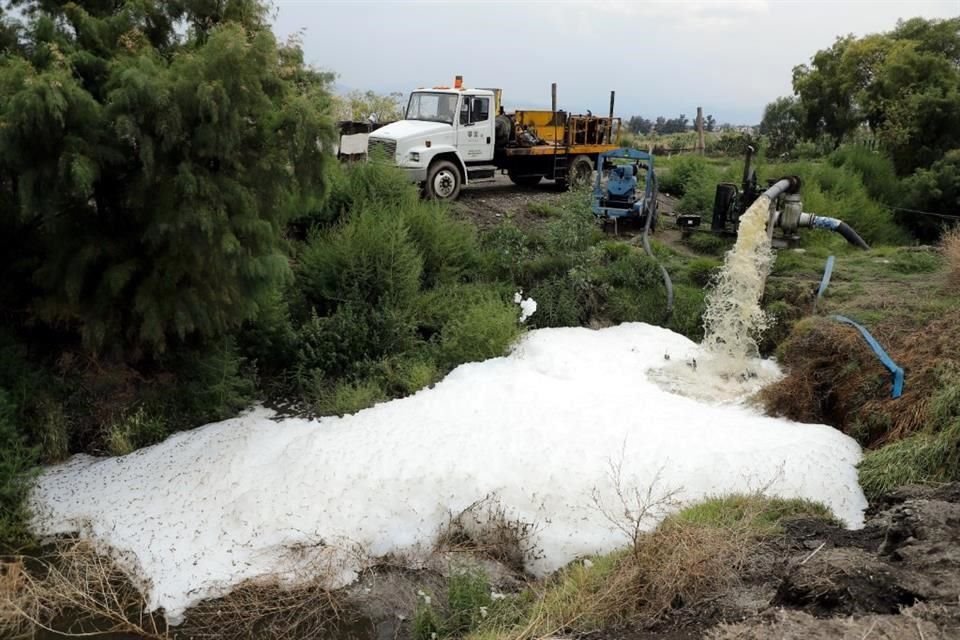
[525, 181]
[580, 172]
[443, 181]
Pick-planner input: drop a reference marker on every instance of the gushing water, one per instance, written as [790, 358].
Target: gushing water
[734, 320]
[727, 364]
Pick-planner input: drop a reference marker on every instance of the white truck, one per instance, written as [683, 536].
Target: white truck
[450, 137]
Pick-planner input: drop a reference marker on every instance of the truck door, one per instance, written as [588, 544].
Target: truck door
[475, 129]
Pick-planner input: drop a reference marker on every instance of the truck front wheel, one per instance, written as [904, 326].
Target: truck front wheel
[443, 181]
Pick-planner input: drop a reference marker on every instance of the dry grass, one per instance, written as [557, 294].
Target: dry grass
[680, 564]
[484, 528]
[951, 251]
[75, 592]
[835, 378]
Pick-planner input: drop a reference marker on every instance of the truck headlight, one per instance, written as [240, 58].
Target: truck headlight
[415, 156]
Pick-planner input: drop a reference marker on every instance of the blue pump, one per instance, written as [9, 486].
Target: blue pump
[621, 196]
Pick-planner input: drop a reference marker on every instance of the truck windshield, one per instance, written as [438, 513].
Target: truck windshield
[434, 107]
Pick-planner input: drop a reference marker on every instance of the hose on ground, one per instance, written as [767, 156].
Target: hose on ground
[668, 285]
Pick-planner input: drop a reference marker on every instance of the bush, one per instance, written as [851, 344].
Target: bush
[269, 340]
[448, 247]
[573, 231]
[134, 430]
[683, 173]
[370, 259]
[504, 250]
[357, 186]
[558, 303]
[353, 335]
[344, 397]
[875, 170]
[212, 384]
[484, 330]
[406, 374]
[16, 461]
[936, 189]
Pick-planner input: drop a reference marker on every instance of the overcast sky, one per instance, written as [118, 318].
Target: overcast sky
[662, 58]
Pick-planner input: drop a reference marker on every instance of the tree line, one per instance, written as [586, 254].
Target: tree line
[680, 124]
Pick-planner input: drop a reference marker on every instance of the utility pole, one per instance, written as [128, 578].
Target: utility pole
[700, 142]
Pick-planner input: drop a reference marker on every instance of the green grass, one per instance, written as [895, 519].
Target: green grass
[709, 243]
[759, 513]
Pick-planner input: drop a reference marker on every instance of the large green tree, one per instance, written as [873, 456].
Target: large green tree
[151, 152]
[905, 85]
[782, 120]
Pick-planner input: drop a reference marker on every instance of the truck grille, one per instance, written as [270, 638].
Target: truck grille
[386, 147]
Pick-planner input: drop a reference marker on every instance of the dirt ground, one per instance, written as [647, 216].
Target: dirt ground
[896, 578]
[489, 204]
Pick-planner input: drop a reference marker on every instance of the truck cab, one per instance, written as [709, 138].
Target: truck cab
[446, 139]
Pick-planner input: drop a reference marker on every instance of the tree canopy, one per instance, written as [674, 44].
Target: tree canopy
[904, 85]
[150, 153]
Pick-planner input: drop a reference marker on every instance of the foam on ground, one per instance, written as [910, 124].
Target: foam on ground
[250, 496]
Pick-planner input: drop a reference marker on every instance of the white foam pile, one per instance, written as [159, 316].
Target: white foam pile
[249, 497]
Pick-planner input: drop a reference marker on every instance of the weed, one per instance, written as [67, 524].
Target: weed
[701, 271]
[708, 243]
[483, 330]
[544, 210]
[132, 430]
[950, 246]
[344, 397]
[915, 261]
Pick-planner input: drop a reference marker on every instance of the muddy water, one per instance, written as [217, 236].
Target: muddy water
[734, 320]
[727, 365]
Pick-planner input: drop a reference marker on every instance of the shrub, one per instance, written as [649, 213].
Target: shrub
[406, 374]
[269, 340]
[685, 172]
[448, 247]
[558, 303]
[353, 335]
[573, 231]
[16, 461]
[937, 190]
[875, 170]
[344, 397]
[357, 186]
[504, 250]
[370, 259]
[484, 330]
[213, 383]
[133, 430]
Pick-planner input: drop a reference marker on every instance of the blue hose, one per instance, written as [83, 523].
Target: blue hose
[887, 361]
